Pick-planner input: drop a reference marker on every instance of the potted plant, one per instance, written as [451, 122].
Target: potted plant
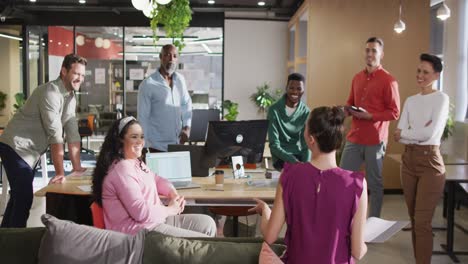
[3, 97]
[263, 98]
[231, 108]
[446, 145]
[20, 100]
[174, 18]
[449, 125]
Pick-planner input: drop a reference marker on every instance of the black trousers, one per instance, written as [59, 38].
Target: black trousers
[20, 177]
[278, 165]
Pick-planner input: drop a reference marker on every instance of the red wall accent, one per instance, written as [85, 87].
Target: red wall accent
[88, 50]
[59, 38]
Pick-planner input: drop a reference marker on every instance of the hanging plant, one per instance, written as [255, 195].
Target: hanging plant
[174, 17]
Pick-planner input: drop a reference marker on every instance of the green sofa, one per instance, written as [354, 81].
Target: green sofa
[21, 245]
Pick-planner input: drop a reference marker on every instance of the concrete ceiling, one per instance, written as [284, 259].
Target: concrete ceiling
[273, 9]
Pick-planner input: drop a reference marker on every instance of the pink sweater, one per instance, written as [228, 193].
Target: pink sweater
[130, 197]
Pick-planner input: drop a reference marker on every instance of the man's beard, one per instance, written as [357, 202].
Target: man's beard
[170, 68]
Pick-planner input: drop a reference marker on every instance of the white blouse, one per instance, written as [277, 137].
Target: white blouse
[423, 118]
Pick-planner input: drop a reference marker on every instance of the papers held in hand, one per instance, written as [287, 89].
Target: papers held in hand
[378, 230]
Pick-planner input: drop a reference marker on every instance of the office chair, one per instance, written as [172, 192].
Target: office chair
[86, 128]
[98, 216]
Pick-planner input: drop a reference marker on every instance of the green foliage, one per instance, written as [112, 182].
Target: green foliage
[263, 99]
[174, 18]
[3, 97]
[450, 125]
[20, 100]
[231, 109]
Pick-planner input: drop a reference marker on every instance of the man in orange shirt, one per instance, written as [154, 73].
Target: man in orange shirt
[373, 102]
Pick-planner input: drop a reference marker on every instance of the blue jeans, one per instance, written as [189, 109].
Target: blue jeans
[372, 155]
[20, 176]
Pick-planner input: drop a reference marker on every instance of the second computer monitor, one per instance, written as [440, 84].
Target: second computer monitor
[237, 138]
[200, 119]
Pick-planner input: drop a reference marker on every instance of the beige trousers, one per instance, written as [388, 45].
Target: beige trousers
[188, 225]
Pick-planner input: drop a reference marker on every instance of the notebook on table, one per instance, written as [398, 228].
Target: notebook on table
[173, 166]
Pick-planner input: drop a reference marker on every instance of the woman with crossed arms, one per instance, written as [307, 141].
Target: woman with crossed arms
[420, 128]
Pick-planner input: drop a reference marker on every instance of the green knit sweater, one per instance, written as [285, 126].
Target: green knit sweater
[286, 133]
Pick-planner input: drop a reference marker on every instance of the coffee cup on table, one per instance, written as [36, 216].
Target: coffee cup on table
[219, 177]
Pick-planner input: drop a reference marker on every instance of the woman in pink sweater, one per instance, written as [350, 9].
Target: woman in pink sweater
[129, 192]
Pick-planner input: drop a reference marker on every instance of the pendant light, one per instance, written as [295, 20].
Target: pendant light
[163, 2]
[141, 4]
[443, 12]
[399, 25]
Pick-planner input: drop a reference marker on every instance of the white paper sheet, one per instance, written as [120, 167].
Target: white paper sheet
[85, 188]
[378, 230]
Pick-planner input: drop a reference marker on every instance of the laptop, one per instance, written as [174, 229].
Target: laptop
[173, 166]
[199, 162]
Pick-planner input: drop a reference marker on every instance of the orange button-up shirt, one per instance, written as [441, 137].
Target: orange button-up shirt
[377, 92]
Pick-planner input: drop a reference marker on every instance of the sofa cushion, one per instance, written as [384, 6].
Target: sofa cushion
[20, 245]
[67, 242]
[160, 248]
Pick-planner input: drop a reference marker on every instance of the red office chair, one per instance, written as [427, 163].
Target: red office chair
[98, 216]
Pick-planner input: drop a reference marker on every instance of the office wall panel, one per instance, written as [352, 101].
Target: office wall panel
[337, 34]
[255, 52]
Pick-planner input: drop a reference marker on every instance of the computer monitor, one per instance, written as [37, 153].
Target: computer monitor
[200, 119]
[237, 138]
[173, 166]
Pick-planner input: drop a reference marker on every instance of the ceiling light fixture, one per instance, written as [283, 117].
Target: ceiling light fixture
[163, 2]
[3, 35]
[443, 12]
[211, 2]
[207, 40]
[139, 53]
[206, 48]
[80, 40]
[141, 4]
[98, 42]
[82, 1]
[399, 25]
[106, 43]
[150, 38]
[261, 3]
[32, 1]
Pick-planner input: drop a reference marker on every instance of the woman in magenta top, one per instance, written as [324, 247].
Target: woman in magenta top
[323, 206]
[129, 192]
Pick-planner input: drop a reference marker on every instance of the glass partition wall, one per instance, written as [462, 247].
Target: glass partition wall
[200, 62]
[119, 58]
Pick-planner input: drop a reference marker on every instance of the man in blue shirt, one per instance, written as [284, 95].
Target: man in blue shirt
[164, 104]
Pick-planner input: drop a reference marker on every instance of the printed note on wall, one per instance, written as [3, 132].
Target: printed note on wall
[100, 76]
[136, 74]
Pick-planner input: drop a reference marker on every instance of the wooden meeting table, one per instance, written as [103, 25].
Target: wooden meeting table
[67, 201]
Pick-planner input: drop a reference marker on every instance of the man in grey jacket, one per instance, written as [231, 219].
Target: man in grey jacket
[47, 115]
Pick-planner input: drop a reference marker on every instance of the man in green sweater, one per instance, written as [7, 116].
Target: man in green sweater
[287, 118]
